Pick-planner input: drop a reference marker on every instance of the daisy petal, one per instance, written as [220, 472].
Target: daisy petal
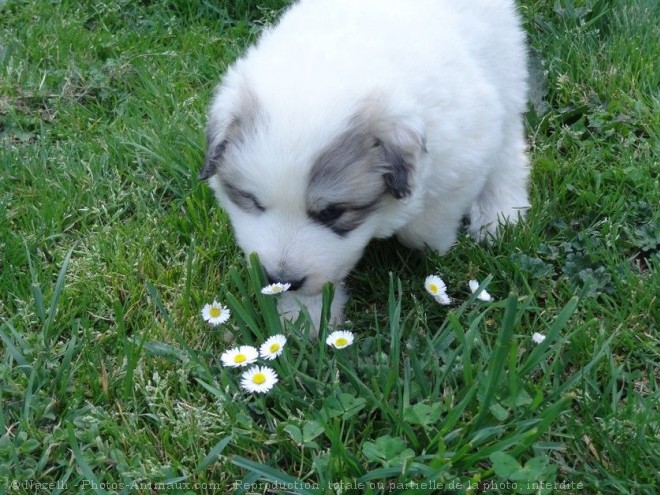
[483, 295]
[537, 338]
[239, 356]
[258, 379]
[273, 347]
[215, 313]
[340, 339]
[434, 285]
[276, 288]
[443, 299]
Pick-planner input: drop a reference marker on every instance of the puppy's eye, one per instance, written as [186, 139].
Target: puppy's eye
[329, 214]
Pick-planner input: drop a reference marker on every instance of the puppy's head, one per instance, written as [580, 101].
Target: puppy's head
[307, 192]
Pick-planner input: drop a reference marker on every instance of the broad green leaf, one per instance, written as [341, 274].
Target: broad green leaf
[295, 433]
[423, 414]
[522, 398]
[311, 430]
[387, 450]
[499, 412]
[504, 464]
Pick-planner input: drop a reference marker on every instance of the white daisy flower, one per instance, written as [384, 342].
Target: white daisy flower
[273, 347]
[434, 285]
[443, 299]
[340, 339]
[276, 288]
[483, 295]
[215, 313]
[259, 379]
[537, 338]
[239, 356]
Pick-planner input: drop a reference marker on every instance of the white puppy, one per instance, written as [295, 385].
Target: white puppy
[359, 119]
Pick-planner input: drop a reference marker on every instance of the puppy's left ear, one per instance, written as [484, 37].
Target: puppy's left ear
[233, 115]
[213, 156]
[402, 142]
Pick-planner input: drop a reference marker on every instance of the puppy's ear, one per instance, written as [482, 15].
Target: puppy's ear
[401, 147]
[214, 152]
[400, 140]
[233, 114]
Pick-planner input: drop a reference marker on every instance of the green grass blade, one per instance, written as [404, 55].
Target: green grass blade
[455, 413]
[59, 287]
[13, 351]
[267, 304]
[394, 325]
[96, 485]
[559, 324]
[202, 367]
[63, 376]
[29, 394]
[581, 374]
[35, 289]
[549, 415]
[238, 308]
[464, 348]
[187, 293]
[498, 357]
[213, 454]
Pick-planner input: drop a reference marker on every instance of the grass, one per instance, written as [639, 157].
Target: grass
[109, 247]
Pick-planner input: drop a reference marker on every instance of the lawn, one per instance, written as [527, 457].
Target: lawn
[111, 382]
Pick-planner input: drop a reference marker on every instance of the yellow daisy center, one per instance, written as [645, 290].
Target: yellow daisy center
[341, 342]
[259, 378]
[433, 288]
[215, 312]
[274, 347]
[239, 358]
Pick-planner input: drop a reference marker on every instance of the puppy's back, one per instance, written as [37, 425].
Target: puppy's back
[331, 50]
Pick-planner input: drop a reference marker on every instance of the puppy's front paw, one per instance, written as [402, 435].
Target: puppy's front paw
[290, 304]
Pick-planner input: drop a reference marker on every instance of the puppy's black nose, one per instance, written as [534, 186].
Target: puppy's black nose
[295, 284]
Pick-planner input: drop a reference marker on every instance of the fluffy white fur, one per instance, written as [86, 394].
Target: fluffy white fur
[441, 85]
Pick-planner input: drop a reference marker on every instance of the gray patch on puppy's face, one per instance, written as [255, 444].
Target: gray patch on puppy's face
[344, 184]
[349, 178]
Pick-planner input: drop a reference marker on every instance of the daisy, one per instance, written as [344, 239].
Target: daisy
[443, 299]
[273, 347]
[340, 339]
[259, 379]
[483, 295]
[538, 337]
[434, 285]
[239, 356]
[215, 313]
[276, 288]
